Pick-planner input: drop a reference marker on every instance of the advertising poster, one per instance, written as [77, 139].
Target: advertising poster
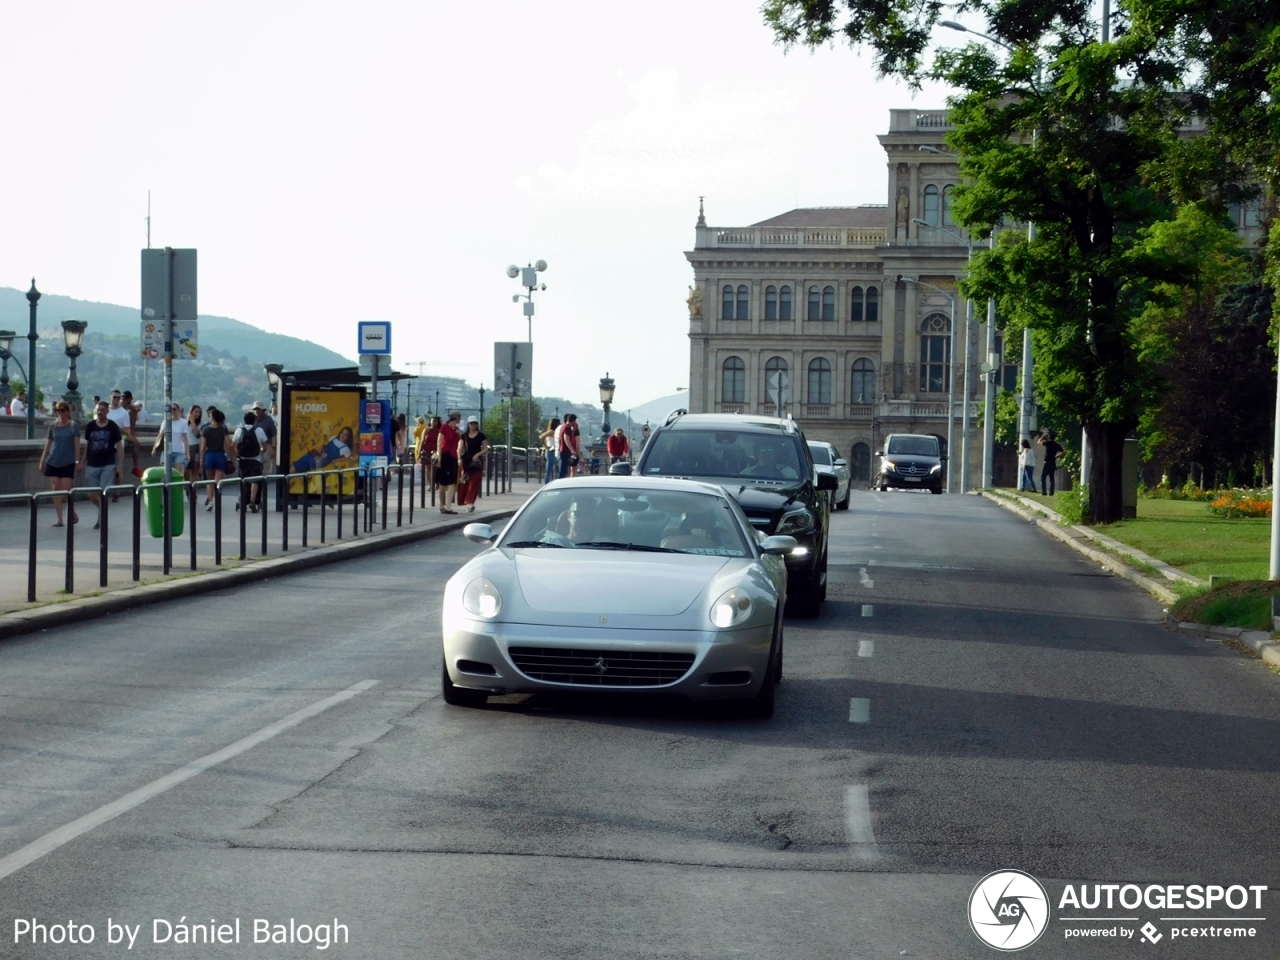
[323, 429]
[376, 437]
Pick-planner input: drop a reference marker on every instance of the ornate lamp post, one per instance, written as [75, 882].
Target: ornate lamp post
[274, 371]
[73, 337]
[33, 296]
[606, 398]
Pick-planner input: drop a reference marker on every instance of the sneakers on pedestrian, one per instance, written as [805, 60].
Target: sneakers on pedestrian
[97, 524]
[209, 507]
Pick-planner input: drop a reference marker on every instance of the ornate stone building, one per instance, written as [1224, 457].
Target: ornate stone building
[841, 315]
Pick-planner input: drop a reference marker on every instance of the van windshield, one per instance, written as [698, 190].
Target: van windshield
[914, 446]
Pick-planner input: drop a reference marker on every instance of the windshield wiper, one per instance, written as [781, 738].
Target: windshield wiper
[534, 543]
[615, 545]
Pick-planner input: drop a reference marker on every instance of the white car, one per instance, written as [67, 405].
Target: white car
[827, 459]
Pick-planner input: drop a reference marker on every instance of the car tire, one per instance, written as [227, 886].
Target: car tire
[777, 670]
[760, 707]
[459, 696]
[804, 597]
[844, 504]
[936, 490]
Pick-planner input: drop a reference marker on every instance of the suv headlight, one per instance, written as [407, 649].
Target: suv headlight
[889, 465]
[936, 468]
[482, 599]
[733, 607]
[799, 522]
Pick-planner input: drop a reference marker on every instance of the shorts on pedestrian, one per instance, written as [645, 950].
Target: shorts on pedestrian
[178, 462]
[67, 472]
[99, 478]
[215, 460]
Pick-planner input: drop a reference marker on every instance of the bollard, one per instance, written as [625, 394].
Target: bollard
[103, 500]
[262, 510]
[242, 508]
[191, 510]
[217, 524]
[137, 534]
[400, 496]
[31, 552]
[386, 481]
[413, 476]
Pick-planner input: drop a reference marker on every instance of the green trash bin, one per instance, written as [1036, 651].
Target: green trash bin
[153, 501]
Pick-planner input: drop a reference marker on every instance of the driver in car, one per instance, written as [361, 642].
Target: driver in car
[768, 466]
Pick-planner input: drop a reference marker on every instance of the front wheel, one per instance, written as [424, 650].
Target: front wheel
[804, 594]
[459, 696]
[844, 504]
[937, 490]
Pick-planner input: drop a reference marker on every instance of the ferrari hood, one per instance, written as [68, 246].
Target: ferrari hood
[605, 581]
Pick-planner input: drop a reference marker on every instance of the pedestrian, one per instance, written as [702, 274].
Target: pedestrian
[60, 456]
[401, 435]
[213, 451]
[103, 457]
[195, 468]
[249, 441]
[265, 422]
[1026, 467]
[18, 406]
[131, 434]
[179, 444]
[447, 461]
[419, 428]
[472, 449]
[617, 446]
[549, 440]
[427, 450]
[570, 446]
[644, 435]
[1052, 448]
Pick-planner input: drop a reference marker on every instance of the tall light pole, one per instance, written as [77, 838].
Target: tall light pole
[73, 339]
[951, 375]
[33, 296]
[529, 280]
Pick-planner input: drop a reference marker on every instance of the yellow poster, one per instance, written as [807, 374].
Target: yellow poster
[323, 426]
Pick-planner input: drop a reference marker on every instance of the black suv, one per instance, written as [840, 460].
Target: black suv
[764, 464]
[911, 461]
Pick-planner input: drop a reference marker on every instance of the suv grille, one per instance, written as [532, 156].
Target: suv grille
[601, 668]
[911, 470]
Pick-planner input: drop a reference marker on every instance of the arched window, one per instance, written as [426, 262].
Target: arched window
[776, 382]
[931, 205]
[771, 303]
[819, 381]
[726, 303]
[863, 384]
[828, 303]
[948, 195]
[873, 304]
[744, 302]
[733, 381]
[860, 462]
[855, 304]
[935, 354]
[784, 304]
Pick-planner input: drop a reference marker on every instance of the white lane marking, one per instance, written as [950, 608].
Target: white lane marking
[866, 648]
[865, 580]
[857, 821]
[65, 834]
[859, 710]
[868, 610]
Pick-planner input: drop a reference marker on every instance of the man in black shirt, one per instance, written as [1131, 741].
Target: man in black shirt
[1051, 450]
[103, 457]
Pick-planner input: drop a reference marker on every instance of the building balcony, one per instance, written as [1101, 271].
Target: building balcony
[866, 238]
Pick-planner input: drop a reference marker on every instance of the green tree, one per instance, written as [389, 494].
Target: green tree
[17, 386]
[495, 422]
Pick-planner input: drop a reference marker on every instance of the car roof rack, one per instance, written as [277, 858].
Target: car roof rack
[674, 415]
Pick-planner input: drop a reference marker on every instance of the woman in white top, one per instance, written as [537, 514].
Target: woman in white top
[1026, 467]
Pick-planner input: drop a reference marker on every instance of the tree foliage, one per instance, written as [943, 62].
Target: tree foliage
[495, 422]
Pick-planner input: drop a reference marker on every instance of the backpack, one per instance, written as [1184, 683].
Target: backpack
[248, 447]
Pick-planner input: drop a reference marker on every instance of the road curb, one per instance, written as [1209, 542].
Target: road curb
[89, 608]
[1259, 641]
[1075, 542]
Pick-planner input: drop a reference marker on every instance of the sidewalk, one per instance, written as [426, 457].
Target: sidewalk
[51, 543]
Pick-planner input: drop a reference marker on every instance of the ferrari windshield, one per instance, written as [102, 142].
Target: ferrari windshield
[610, 518]
[724, 453]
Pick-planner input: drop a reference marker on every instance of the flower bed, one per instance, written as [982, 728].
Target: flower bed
[1235, 504]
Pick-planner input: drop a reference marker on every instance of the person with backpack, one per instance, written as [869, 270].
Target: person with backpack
[249, 440]
[267, 424]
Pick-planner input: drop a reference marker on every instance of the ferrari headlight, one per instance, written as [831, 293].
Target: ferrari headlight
[733, 607]
[797, 522]
[482, 599]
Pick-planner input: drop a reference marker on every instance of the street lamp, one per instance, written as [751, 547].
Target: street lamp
[529, 280]
[951, 375]
[606, 398]
[33, 297]
[73, 338]
[274, 371]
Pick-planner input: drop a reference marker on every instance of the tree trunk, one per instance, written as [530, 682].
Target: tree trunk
[1106, 473]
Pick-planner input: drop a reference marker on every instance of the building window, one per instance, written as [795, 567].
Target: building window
[776, 382]
[815, 303]
[726, 303]
[784, 303]
[771, 303]
[948, 195]
[855, 303]
[873, 305]
[819, 381]
[733, 381]
[931, 205]
[860, 465]
[864, 382]
[828, 303]
[935, 354]
[744, 302]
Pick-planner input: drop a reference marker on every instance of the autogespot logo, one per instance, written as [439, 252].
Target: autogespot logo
[1008, 910]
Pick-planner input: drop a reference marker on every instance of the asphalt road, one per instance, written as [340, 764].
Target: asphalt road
[974, 697]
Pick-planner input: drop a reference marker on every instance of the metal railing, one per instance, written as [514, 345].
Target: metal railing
[369, 497]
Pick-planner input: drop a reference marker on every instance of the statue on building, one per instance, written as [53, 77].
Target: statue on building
[903, 214]
[695, 303]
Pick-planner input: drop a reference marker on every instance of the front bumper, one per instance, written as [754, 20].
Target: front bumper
[726, 664]
[920, 482]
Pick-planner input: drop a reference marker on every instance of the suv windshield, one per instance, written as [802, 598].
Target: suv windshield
[723, 453]
[914, 446]
[609, 518]
[820, 454]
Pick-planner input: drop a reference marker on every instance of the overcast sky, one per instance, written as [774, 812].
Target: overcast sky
[343, 162]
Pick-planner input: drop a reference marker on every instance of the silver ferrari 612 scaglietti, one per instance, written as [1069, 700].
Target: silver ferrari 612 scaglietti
[619, 585]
